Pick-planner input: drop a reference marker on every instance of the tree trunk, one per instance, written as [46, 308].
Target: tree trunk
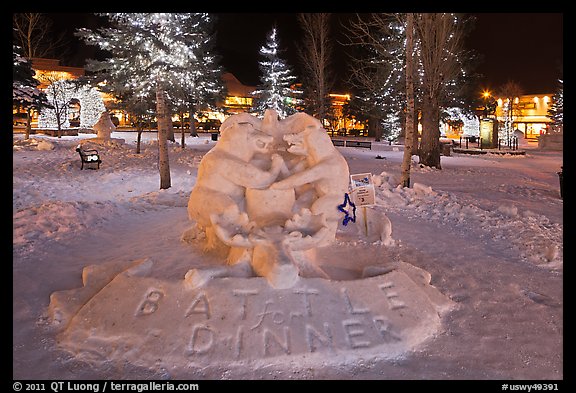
[59, 123]
[28, 124]
[183, 138]
[379, 130]
[375, 128]
[58, 116]
[429, 151]
[409, 121]
[192, 121]
[415, 135]
[170, 131]
[139, 129]
[193, 128]
[164, 125]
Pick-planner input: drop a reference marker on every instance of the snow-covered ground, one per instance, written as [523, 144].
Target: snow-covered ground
[489, 230]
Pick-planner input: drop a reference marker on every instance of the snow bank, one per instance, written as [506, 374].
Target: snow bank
[57, 221]
[532, 236]
[32, 144]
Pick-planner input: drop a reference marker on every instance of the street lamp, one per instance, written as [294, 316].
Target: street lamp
[487, 134]
[486, 94]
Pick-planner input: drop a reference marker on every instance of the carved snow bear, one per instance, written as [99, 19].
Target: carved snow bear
[226, 171]
[325, 172]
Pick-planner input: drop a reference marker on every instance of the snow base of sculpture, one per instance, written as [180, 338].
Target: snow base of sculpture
[122, 315]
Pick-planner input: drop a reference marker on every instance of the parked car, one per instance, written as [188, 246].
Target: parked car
[210, 125]
[145, 124]
[178, 123]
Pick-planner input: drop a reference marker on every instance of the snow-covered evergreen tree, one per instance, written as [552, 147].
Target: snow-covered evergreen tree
[276, 78]
[378, 71]
[25, 92]
[556, 110]
[201, 87]
[155, 52]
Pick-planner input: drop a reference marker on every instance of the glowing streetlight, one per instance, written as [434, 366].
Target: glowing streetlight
[486, 125]
[486, 94]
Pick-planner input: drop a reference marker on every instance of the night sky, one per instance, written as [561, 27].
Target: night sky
[526, 48]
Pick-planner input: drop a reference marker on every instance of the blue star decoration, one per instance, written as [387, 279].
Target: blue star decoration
[342, 208]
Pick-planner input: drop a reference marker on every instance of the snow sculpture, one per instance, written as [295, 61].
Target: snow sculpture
[267, 195]
[104, 126]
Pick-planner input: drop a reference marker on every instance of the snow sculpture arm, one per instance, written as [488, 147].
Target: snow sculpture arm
[249, 176]
[306, 176]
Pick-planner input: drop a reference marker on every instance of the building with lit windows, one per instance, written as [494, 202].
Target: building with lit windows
[239, 98]
[339, 121]
[48, 70]
[529, 114]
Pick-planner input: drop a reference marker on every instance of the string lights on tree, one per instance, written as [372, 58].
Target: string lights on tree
[275, 91]
[556, 110]
[60, 93]
[156, 52]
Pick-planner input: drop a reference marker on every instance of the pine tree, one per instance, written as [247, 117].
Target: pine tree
[25, 92]
[154, 53]
[201, 87]
[556, 110]
[378, 72]
[276, 79]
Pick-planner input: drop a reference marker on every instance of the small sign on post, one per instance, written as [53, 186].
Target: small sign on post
[363, 193]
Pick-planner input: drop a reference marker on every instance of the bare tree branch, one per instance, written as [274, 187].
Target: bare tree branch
[315, 55]
[32, 32]
[441, 38]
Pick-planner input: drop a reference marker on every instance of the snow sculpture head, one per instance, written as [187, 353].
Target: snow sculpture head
[267, 194]
[242, 137]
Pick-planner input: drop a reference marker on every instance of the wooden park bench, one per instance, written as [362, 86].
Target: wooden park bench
[89, 157]
[365, 144]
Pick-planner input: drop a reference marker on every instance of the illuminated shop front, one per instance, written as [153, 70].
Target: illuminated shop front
[529, 113]
[239, 97]
[339, 121]
[46, 72]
